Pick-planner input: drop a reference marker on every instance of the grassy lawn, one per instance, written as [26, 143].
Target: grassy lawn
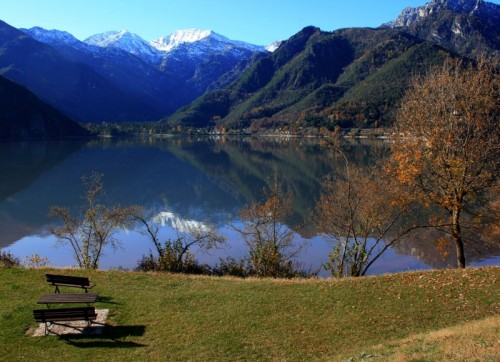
[158, 317]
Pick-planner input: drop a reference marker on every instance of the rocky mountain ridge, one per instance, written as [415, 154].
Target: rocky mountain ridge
[467, 27]
[410, 16]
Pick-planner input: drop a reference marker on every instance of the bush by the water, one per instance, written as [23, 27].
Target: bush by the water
[8, 260]
[170, 262]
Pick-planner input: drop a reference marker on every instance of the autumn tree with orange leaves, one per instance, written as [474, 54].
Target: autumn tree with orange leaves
[447, 141]
[361, 212]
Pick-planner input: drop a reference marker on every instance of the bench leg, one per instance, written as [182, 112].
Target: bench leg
[57, 289]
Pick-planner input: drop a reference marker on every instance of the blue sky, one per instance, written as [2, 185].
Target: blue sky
[254, 21]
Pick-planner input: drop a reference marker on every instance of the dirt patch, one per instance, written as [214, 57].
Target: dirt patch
[75, 327]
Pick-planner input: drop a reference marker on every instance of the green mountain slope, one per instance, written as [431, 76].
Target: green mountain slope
[353, 77]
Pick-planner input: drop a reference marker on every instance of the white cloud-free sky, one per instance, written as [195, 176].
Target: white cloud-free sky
[254, 21]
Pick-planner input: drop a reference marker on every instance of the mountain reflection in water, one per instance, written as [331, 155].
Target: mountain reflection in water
[201, 180]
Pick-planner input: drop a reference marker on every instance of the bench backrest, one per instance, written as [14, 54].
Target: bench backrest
[64, 314]
[66, 279]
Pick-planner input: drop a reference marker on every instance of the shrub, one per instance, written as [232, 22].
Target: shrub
[35, 261]
[231, 267]
[174, 259]
[8, 260]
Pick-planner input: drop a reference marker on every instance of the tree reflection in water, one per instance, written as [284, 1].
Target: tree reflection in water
[206, 179]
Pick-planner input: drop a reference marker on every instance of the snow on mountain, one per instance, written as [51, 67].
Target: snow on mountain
[194, 44]
[124, 40]
[174, 40]
[273, 46]
[167, 43]
[53, 37]
[165, 218]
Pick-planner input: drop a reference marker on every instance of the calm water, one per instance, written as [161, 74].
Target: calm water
[187, 180]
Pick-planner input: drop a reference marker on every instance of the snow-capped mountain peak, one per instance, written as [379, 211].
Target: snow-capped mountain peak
[167, 43]
[123, 40]
[197, 36]
[108, 38]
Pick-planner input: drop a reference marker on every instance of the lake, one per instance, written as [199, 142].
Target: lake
[186, 180]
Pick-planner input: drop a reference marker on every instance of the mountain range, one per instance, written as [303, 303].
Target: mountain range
[116, 76]
[197, 78]
[350, 77]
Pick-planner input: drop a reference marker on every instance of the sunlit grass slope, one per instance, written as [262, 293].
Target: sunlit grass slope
[158, 317]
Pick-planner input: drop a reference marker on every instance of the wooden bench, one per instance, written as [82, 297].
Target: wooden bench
[51, 316]
[69, 281]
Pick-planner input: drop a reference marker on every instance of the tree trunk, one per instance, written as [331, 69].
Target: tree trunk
[456, 234]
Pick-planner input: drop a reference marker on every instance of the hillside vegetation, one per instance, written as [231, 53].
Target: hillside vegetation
[350, 78]
[158, 317]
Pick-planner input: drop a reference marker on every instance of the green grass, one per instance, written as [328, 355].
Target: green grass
[173, 317]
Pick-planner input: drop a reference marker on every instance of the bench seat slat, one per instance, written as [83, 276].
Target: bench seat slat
[65, 314]
[64, 319]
